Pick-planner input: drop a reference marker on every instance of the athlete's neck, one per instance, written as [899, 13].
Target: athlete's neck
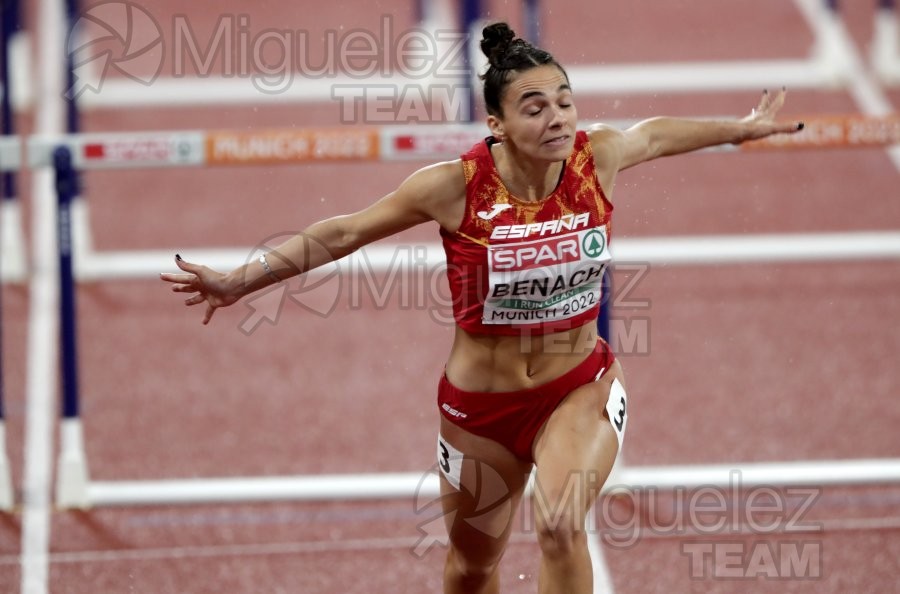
[526, 178]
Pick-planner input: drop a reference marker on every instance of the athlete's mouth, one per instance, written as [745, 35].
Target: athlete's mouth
[558, 140]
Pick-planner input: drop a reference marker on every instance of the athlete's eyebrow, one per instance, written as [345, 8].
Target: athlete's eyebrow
[528, 95]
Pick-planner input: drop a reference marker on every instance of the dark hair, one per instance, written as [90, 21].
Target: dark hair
[506, 55]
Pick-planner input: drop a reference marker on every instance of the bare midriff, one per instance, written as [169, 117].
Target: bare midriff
[485, 363]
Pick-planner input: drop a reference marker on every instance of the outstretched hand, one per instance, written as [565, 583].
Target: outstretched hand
[206, 284]
[761, 121]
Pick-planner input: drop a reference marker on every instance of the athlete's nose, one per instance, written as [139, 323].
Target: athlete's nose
[558, 118]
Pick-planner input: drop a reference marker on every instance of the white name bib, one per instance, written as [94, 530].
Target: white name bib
[545, 279]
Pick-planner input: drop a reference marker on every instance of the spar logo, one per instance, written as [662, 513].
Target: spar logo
[593, 243]
[535, 254]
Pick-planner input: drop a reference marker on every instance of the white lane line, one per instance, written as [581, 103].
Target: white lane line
[218, 551]
[816, 527]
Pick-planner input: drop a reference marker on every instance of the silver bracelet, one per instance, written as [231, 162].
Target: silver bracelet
[265, 265]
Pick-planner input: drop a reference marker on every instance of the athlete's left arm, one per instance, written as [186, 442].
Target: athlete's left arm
[664, 136]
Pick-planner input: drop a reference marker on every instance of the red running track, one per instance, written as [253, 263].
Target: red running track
[740, 363]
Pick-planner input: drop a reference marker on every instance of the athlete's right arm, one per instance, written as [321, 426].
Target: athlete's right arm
[434, 193]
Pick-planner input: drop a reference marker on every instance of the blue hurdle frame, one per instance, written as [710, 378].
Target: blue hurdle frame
[66, 191]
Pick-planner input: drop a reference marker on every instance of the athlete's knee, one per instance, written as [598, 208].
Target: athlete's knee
[469, 570]
[560, 536]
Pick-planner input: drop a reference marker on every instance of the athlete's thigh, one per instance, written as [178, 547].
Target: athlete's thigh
[481, 488]
[577, 446]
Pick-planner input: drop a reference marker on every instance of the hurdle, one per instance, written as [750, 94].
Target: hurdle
[823, 68]
[826, 67]
[197, 148]
[831, 65]
[68, 153]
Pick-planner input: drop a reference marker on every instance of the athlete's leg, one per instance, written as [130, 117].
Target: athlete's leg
[574, 453]
[479, 514]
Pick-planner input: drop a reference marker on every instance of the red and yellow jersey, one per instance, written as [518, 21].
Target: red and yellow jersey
[517, 266]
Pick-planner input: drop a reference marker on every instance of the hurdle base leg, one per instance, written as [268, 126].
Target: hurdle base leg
[71, 471]
[12, 242]
[829, 51]
[885, 50]
[6, 489]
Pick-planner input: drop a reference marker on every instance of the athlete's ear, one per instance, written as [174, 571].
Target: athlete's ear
[495, 125]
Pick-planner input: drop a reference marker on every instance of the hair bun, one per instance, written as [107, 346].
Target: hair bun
[495, 41]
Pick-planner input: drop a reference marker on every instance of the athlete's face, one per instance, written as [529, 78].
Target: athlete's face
[539, 115]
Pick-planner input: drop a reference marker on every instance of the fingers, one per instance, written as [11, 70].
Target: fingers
[790, 127]
[194, 269]
[175, 278]
[184, 281]
[763, 102]
[773, 103]
[770, 103]
[776, 102]
[189, 283]
[183, 264]
[195, 299]
[180, 282]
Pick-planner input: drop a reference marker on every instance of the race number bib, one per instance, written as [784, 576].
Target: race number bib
[617, 409]
[450, 461]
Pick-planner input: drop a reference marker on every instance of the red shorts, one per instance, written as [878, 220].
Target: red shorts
[514, 418]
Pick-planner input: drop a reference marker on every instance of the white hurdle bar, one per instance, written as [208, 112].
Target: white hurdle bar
[658, 251]
[193, 148]
[409, 485]
[817, 72]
